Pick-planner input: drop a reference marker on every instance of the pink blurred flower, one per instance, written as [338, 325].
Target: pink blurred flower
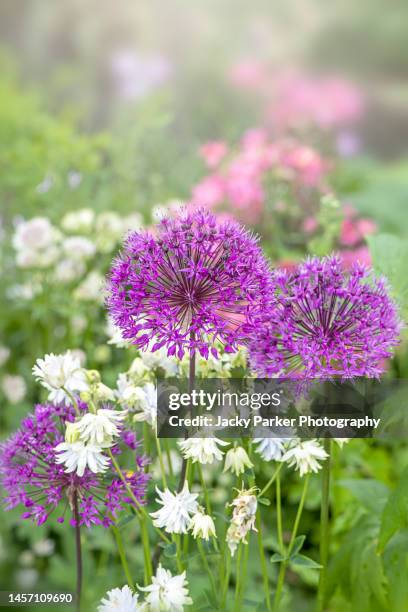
[248, 74]
[360, 255]
[307, 164]
[310, 225]
[209, 192]
[354, 231]
[213, 152]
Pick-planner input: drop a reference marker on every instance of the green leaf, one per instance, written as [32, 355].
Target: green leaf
[264, 501]
[170, 550]
[125, 520]
[389, 255]
[371, 493]
[395, 513]
[396, 570]
[304, 561]
[297, 545]
[277, 558]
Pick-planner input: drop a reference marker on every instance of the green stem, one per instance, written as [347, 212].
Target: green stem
[324, 526]
[73, 400]
[238, 578]
[284, 564]
[279, 513]
[203, 483]
[271, 480]
[264, 565]
[162, 470]
[227, 573]
[122, 555]
[168, 456]
[133, 498]
[177, 540]
[207, 567]
[148, 569]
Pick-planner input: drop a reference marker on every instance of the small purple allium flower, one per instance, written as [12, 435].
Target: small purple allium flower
[191, 283]
[323, 322]
[31, 477]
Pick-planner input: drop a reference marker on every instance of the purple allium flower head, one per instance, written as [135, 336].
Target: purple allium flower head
[31, 477]
[194, 281]
[324, 322]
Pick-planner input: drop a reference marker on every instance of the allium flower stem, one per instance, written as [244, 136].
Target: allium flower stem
[270, 481]
[191, 382]
[284, 564]
[78, 554]
[132, 496]
[122, 555]
[148, 568]
[324, 525]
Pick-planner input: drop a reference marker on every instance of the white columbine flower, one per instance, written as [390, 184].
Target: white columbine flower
[78, 220]
[77, 456]
[305, 456]
[100, 428]
[271, 449]
[237, 460]
[78, 247]
[60, 374]
[167, 593]
[202, 525]
[147, 405]
[119, 600]
[203, 450]
[176, 511]
[159, 359]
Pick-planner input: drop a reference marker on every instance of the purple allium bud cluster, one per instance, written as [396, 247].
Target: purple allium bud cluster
[31, 477]
[323, 322]
[192, 283]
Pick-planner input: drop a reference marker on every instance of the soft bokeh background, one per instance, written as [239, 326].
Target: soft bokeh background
[105, 105]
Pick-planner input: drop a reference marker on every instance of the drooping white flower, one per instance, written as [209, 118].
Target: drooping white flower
[147, 405]
[271, 449]
[14, 388]
[167, 593]
[244, 506]
[341, 441]
[77, 456]
[60, 374]
[203, 450]
[120, 600]
[202, 525]
[100, 428]
[305, 456]
[176, 511]
[237, 460]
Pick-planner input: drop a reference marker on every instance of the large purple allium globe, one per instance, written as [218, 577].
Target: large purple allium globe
[31, 477]
[190, 284]
[324, 322]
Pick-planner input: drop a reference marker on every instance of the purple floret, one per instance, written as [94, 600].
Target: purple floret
[190, 284]
[323, 322]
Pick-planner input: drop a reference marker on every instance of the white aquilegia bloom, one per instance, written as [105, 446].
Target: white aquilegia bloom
[202, 525]
[237, 460]
[271, 449]
[119, 600]
[62, 375]
[176, 511]
[78, 247]
[167, 593]
[100, 428]
[341, 441]
[203, 450]
[14, 388]
[159, 359]
[243, 518]
[147, 407]
[35, 242]
[77, 456]
[78, 220]
[305, 456]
